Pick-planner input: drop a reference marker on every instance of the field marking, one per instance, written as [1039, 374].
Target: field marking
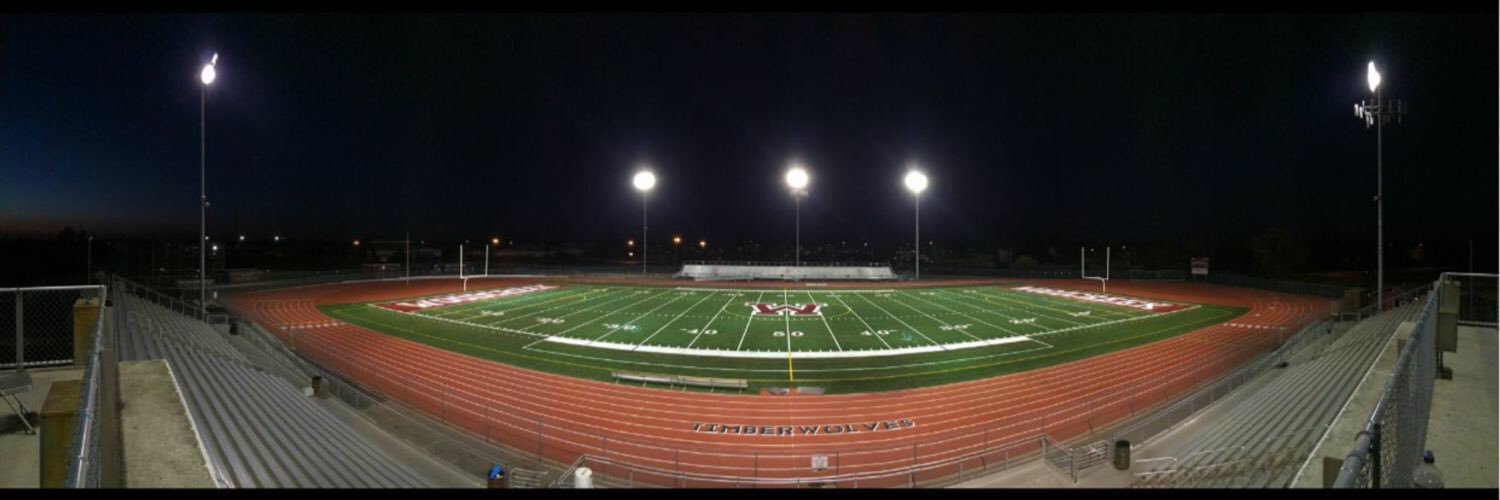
[1027, 306]
[575, 327]
[1030, 305]
[934, 318]
[711, 320]
[788, 332]
[1086, 306]
[748, 319]
[675, 318]
[508, 319]
[1193, 327]
[1001, 328]
[825, 323]
[554, 308]
[908, 325]
[524, 300]
[637, 318]
[789, 355]
[861, 319]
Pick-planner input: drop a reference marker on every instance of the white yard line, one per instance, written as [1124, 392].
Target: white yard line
[748, 320]
[1022, 303]
[908, 325]
[675, 318]
[554, 308]
[935, 319]
[504, 319]
[788, 332]
[861, 319]
[691, 289]
[782, 355]
[602, 316]
[991, 325]
[824, 317]
[732, 296]
[638, 318]
[1093, 308]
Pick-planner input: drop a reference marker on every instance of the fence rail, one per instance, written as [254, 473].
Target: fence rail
[1391, 444]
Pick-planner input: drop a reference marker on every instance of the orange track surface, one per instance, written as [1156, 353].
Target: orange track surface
[560, 417]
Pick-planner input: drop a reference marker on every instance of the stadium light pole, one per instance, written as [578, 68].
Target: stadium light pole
[797, 179]
[644, 181]
[916, 182]
[1376, 113]
[207, 76]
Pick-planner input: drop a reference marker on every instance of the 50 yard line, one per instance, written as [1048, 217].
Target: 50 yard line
[749, 319]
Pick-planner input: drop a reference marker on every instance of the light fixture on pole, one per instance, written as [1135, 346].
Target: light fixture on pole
[1376, 113]
[644, 181]
[916, 182]
[207, 76]
[797, 179]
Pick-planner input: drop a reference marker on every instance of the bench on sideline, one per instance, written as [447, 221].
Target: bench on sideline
[723, 383]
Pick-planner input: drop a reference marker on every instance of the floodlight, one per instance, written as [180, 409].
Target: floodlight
[644, 180]
[916, 181]
[208, 74]
[796, 177]
[1373, 77]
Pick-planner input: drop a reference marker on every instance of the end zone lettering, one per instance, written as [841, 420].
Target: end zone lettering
[460, 298]
[1144, 305]
[802, 430]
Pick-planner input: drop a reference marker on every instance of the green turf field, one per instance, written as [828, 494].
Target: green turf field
[851, 341]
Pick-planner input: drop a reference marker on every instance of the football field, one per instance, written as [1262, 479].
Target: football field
[840, 340]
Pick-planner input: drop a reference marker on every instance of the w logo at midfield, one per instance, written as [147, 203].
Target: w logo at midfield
[782, 309]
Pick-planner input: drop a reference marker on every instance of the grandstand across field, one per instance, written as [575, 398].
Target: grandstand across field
[781, 271]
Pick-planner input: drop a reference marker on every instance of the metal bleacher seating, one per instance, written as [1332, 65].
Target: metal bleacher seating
[258, 430]
[707, 272]
[1265, 437]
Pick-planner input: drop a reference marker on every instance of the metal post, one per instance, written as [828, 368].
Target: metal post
[408, 258]
[797, 209]
[917, 236]
[1375, 457]
[1379, 207]
[20, 336]
[644, 245]
[486, 259]
[202, 202]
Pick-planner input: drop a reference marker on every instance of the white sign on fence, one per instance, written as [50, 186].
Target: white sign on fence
[819, 462]
[1200, 266]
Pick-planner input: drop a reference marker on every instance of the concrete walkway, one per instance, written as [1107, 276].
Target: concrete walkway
[22, 451]
[1461, 431]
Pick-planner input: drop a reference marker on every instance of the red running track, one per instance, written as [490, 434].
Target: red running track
[973, 424]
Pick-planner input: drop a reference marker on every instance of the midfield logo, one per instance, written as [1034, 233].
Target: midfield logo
[782, 309]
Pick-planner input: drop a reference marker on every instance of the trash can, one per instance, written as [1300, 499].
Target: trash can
[496, 478]
[583, 478]
[319, 389]
[1122, 454]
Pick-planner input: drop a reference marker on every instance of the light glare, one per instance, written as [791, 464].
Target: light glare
[796, 178]
[208, 74]
[916, 181]
[644, 181]
[1373, 77]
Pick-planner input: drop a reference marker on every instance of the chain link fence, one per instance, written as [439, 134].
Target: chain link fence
[1297, 287]
[37, 323]
[1389, 448]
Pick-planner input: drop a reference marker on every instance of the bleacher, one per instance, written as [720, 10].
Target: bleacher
[1265, 437]
[258, 430]
[718, 272]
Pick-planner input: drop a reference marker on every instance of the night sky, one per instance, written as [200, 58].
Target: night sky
[1122, 127]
